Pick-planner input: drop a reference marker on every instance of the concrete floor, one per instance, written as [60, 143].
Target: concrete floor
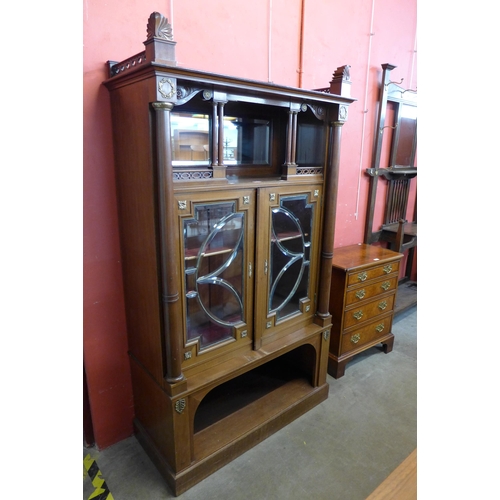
[340, 450]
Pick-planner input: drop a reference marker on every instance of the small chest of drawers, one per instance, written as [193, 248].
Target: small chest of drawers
[363, 295]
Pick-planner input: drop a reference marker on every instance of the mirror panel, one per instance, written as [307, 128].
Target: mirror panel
[311, 140]
[405, 140]
[190, 134]
[246, 141]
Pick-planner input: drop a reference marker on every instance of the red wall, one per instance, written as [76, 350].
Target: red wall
[260, 40]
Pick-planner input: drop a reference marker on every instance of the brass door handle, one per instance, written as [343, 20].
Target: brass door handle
[358, 315]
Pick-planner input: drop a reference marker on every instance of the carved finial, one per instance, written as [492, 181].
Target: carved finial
[341, 81]
[343, 73]
[160, 46]
[159, 27]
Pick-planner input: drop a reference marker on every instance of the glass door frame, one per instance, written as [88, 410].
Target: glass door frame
[268, 326]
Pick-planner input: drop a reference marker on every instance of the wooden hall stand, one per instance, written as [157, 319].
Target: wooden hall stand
[226, 255]
[400, 133]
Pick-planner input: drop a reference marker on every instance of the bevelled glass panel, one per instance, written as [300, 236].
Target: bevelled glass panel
[291, 225]
[213, 268]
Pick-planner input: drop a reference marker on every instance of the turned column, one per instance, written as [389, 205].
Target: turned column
[339, 85]
[290, 167]
[218, 166]
[330, 204]
[169, 256]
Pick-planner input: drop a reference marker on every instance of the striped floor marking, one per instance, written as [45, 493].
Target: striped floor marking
[101, 489]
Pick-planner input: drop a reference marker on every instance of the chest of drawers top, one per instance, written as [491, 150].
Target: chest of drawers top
[359, 257]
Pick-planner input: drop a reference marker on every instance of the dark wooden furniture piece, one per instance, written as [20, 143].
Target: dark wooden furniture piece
[363, 293]
[226, 251]
[399, 134]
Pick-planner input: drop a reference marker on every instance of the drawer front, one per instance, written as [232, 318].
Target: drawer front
[367, 311]
[368, 333]
[371, 290]
[357, 277]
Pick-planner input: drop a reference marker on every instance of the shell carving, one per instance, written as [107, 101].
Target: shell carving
[159, 27]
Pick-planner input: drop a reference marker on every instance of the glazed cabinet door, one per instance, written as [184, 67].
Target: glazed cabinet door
[287, 260]
[217, 249]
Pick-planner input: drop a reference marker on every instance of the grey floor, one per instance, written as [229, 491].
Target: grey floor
[342, 449]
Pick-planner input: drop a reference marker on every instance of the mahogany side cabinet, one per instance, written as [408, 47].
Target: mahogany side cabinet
[363, 294]
[227, 192]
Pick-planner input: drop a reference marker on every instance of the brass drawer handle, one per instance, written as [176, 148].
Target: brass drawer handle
[355, 338]
[362, 276]
[380, 327]
[358, 315]
[385, 285]
[388, 269]
[382, 305]
[360, 294]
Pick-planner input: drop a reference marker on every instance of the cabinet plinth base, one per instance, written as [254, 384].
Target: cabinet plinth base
[261, 428]
[336, 365]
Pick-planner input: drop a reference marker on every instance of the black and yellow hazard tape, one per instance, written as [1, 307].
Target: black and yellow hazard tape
[101, 491]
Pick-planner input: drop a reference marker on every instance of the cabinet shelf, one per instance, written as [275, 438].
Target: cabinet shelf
[245, 403]
[287, 236]
[251, 416]
[247, 389]
[193, 253]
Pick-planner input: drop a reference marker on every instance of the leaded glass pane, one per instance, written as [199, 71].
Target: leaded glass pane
[213, 256]
[291, 225]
